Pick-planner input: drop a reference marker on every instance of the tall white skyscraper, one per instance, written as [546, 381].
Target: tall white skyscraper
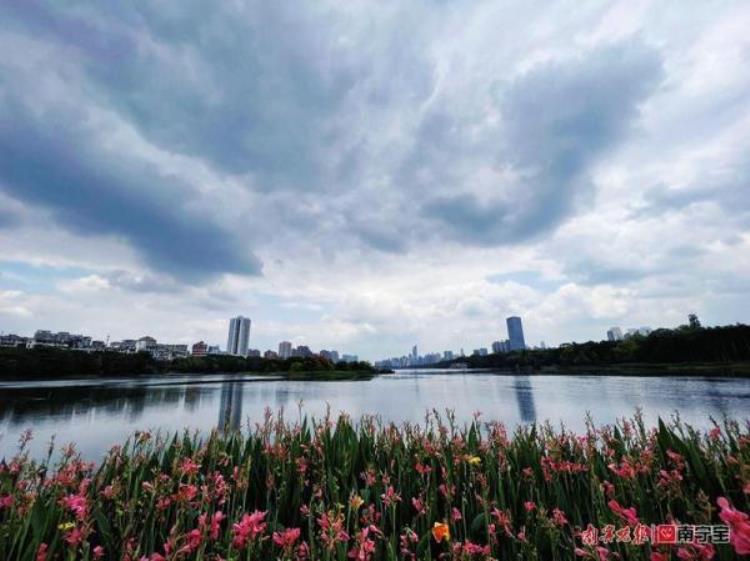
[239, 336]
[285, 349]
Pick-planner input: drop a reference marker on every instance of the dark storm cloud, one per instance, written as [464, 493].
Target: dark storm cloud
[557, 120]
[8, 219]
[51, 160]
[248, 89]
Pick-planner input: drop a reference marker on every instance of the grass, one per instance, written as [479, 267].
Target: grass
[334, 490]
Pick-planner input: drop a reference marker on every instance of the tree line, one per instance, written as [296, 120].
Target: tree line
[61, 363]
[687, 344]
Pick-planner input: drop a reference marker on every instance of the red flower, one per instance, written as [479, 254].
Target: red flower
[41, 553]
[214, 527]
[530, 506]
[248, 528]
[287, 538]
[558, 517]
[739, 523]
[630, 515]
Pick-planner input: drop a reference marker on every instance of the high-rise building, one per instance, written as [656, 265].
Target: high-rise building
[414, 353]
[614, 334]
[239, 336]
[515, 333]
[285, 349]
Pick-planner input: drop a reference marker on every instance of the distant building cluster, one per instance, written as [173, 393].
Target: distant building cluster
[238, 342]
[514, 342]
[615, 333]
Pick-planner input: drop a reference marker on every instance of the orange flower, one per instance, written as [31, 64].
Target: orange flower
[440, 532]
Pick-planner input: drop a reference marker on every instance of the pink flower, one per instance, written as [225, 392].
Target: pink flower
[475, 549]
[715, 433]
[248, 528]
[529, 506]
[214, 527]
[390, 496]
[76, 504]
[365, 546]
[74, 536]
[188, 467]
[624, 470]
[41, 553]
[418, 505]
[98, 552]
[630, 515]
[558, 517]
[287, 538]
[739, 523]
[696, 552]
[6, 501]
[455, 514]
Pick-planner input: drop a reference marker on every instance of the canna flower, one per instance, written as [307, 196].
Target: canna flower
[6, 501]
[188, 467]
[455, 514]
[418, 505]
[558, 517]
[529, 506]
[630, 515]
[74, 537]
[248, 528]
[365, 546]
[441, 531]
[214, 526]
[739, 523]
[390, 496]
[356, 501]
[41, 553]
[474, 460]
[76, 504]
[624, 470]
[98, 552]
[696, 552]
[287, 538]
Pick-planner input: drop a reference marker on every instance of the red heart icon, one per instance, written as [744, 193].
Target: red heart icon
[666, 534]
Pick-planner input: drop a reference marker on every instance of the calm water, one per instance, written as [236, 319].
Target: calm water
[98, 414]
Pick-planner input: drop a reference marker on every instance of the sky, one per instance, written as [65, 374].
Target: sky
[370, 175]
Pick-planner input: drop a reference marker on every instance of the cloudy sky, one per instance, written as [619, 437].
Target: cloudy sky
[367, 175]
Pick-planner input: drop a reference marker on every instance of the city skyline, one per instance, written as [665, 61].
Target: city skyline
[364, 176]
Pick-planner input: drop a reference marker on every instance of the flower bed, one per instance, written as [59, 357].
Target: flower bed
[343, 490]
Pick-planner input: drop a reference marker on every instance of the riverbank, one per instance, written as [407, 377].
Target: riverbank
[705, 370]
[50, 363]
[333, 489]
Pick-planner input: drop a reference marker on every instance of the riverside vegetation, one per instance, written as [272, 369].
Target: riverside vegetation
[21, 363]
[338, 490]
[723, 350]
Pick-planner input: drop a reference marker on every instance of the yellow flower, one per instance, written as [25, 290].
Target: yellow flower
[66, 526]
[474, 460]
[440, 532]
[356, 501]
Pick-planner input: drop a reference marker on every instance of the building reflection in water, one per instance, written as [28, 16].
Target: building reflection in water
[230, 406]
[525, 398]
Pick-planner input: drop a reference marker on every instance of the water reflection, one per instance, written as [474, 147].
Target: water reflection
[230, 406]
[98, 414]
[525, 399]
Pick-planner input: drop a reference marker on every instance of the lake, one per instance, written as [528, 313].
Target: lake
[95, 414]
